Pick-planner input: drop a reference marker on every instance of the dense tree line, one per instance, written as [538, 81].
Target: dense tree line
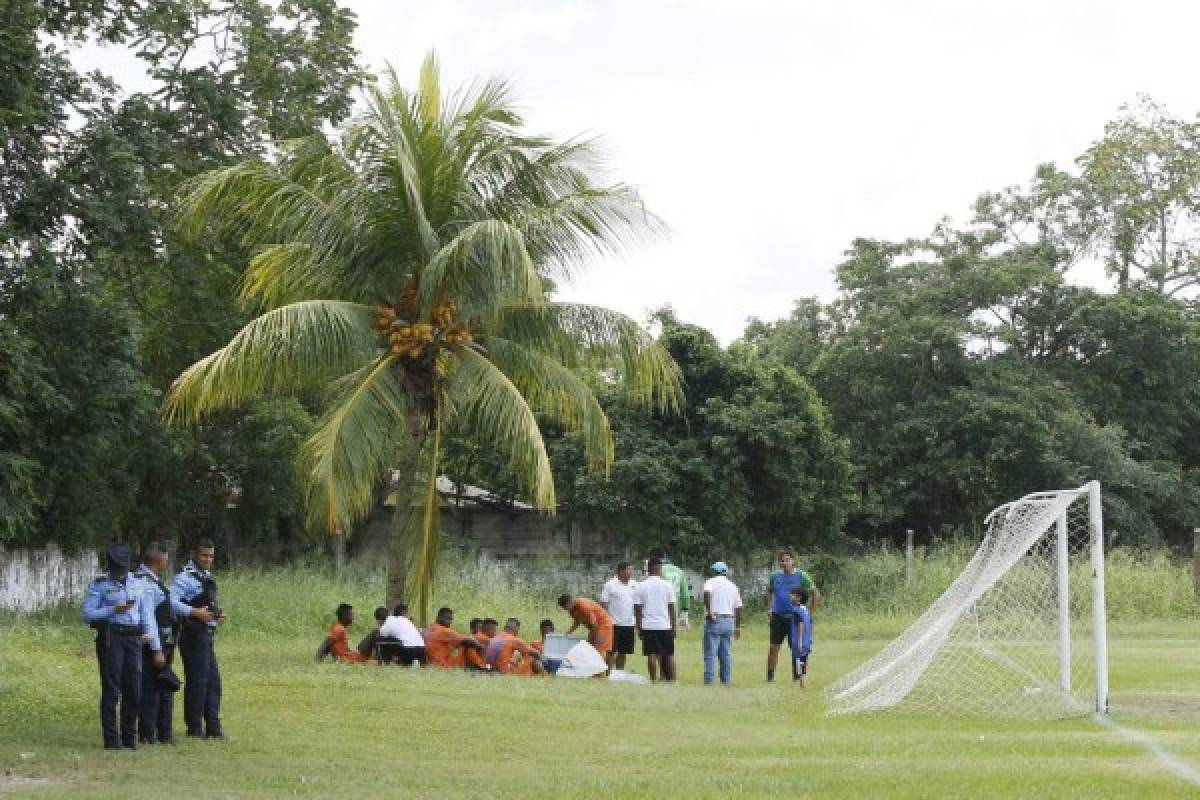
[951, 372]
[102, 302]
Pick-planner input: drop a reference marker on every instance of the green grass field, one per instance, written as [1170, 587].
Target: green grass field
[301, 729]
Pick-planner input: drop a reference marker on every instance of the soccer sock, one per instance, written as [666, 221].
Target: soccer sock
[770, 674]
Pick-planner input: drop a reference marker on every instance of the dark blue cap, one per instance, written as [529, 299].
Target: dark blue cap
[119, 555]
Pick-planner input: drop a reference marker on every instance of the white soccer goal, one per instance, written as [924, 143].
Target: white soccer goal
[1021, 631]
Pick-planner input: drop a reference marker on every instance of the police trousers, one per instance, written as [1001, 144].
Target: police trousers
[119, 655]
[201, 682]
[158, 702]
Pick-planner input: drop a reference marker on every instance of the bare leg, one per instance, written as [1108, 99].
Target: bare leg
[668, 668]
[620, 661]
[652, 667]
[772, 659]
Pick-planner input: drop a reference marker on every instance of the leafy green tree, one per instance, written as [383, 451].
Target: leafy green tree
[73, 400]
[754, 463]
[87, 176]
[398, 269]
[1140, 194]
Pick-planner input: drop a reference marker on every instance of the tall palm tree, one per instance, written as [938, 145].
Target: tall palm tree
[401, 270]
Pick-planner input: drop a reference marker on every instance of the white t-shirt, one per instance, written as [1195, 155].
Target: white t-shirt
[619, 599]
[654, 595]
[724, 595]
[402, 628]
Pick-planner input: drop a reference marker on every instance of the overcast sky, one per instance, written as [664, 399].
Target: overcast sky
[769, 134]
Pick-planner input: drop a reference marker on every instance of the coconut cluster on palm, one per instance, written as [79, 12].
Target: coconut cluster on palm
[400, 270]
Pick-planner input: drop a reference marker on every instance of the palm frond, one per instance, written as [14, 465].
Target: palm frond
[289, 349]
[388, 134]
[489, 407]
[575, 334]
[548, 190]
[482, 268]
[352, 446]
[313, 203]
[557, 392]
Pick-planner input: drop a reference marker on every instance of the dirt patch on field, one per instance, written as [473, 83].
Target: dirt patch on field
[1157, 704]
[15, 783]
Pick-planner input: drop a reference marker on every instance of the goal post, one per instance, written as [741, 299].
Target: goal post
[1020, 631]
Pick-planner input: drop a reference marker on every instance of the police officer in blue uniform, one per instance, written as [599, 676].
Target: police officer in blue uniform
[159, 685]
[196, 587]
[117, 606]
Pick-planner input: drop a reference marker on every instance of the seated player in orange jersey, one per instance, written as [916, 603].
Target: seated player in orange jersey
[483, 631]
[510, 655]
[444, 646]
[339, 640]
[592, 616]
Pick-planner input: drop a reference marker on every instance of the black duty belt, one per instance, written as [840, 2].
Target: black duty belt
[193, 628]
[125, 630]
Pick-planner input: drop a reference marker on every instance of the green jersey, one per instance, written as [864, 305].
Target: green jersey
[680, 583]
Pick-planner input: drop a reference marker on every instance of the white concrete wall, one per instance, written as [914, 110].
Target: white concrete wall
[34, 579]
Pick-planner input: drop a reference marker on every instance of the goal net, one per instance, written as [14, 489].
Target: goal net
[1021, 631]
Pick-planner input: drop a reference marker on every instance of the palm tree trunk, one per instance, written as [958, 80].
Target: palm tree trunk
[407, 512]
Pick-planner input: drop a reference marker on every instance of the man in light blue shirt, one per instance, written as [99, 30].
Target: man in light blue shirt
[118, 607]
[159, 685]
[195, 587]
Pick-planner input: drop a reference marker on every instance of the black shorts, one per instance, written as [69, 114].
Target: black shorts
[392, 652]
[658, 643]
[781, 628]
[624, 638]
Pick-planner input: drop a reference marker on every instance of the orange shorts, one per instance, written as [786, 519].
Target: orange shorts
[602, 638]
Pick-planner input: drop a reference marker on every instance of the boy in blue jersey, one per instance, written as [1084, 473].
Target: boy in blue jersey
[801, 634]
[779, 604]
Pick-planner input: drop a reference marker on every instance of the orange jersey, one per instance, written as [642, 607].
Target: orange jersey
[598, 622]
[443, 646]
[503, 651]
[473, 657]
[590, 613]
[339, 645]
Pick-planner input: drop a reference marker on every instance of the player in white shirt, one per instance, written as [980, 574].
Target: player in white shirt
[654, 613]
[399, 628]
[617, 599]
[722, 622]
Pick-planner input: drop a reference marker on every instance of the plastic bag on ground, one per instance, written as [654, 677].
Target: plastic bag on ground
[621, 676]
[581, 661]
